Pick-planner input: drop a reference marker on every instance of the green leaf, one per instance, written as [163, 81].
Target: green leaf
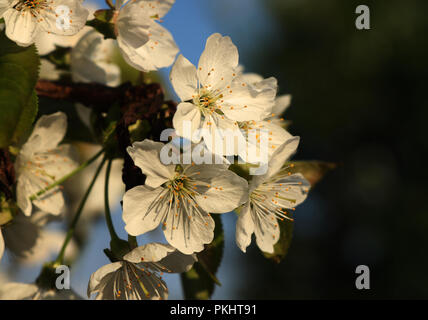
[199, 282]
[18, 102]
[104, 15]
[281, 247]
[313, 171]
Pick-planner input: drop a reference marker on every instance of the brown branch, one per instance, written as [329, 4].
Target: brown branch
[93, 95]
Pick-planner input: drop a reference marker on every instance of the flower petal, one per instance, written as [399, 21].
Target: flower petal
[99, 275]
[281, 104]
[151, 252]
[245, 102]
[178, 262]
[283, 153]
[218, 61]
[158, 52]
[226, 192]
[17, 291]
[183, 78]
[293, 192]
[132, 26]
[5, 5]
[187, 120]
[189, 228]
[47, 133]
[222, 136]
[244, 228]
[146, 156]
[156, 8]
[90, 60]
[72, 10]
[267, 232]
[143, 209]
[21, 27]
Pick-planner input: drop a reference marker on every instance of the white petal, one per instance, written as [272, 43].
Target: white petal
[188, 228]
[222, 136]
[52, 202]
[24, 191]
[177, 262]
[227, 191]
[17, 291]
[245, 102]
[132, 26]
[187, 120]
[5, 5]
[244, 228]
[217, 63]
[69, 9]
[151, 252]
[57, 162]
[158, 52]
[265, 138]
[21, 27]
[97, 276]
[47, 133]
[143, 209]
[146, 156]
[283, 153]
[29, 184]
[90, 60]
[158, 8]
[183, 78]
[294, 191]
[281, 104]
[267, 232]
[251, 78]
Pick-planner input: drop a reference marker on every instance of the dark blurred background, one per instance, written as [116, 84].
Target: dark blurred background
[359, 99]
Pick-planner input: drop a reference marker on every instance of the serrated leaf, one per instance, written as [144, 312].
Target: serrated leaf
[199, 282]
[313, 171]
[18, 103]
[281, 247]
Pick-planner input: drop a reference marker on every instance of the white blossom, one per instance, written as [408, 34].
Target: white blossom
[41, 162]
[138, 276]
[215, 97]
[144, 43]
[180, 198]
[271, 195]
[25, 19]
[91, 60]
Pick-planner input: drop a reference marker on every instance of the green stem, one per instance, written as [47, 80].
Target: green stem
[110, 4]
[109, 221]
[73, 224]
[64, 178]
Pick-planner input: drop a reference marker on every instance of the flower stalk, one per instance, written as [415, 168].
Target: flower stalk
[73, 224]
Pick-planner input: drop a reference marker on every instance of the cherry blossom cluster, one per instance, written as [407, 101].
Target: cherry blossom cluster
[217, 100]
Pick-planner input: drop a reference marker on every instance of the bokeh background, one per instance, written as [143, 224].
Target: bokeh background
[359, 99]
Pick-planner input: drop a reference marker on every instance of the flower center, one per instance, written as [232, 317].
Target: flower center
[32, 5]
[206, 101]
